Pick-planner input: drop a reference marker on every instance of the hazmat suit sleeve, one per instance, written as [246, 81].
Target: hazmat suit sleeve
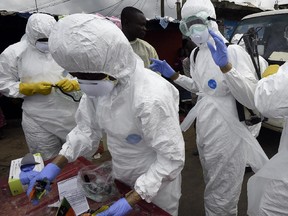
[160, 125]
[187, 83]
[9, 74]
[86, 136]
[242, 78]
[271, 97]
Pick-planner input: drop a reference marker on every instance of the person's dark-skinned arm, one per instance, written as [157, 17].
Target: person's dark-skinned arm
[122, 206]
[225, 69]
[60, 161]
[130, 199]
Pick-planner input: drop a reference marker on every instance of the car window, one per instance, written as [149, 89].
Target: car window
[272, 43]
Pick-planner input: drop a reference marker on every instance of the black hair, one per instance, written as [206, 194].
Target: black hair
[128, 13]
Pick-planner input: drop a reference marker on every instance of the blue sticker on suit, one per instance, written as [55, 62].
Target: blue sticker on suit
[133, 138]
[212, 84]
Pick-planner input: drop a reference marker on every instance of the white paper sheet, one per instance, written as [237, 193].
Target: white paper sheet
[68, 189]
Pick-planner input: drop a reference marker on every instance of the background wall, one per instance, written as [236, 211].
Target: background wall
[167, 42]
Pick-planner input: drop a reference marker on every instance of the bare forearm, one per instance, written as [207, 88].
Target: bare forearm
[175, 76]
[226, 68]
[132, 197]
[60, 161]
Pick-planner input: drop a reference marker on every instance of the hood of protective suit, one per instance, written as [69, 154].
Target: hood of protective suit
[194, 7]
[89, 44]
[236, 38]
[39, 26]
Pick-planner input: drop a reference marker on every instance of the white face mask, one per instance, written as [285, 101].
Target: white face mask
[42, 46]
[96, 88]
[200, 36]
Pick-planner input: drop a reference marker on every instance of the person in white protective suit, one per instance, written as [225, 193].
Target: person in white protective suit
[268, 188]
[134, 106]
[28, 71]
[220, 75]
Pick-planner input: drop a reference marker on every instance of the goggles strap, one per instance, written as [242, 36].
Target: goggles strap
[109, 78]
[213, 19]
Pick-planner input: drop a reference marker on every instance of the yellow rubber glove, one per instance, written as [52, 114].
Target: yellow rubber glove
[271, 69]
[68, 85]
[33, 88]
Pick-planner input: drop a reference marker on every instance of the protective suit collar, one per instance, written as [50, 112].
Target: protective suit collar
[99, 36]
[39, 26]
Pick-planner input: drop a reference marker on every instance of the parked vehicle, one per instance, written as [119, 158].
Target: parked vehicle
[271, 28]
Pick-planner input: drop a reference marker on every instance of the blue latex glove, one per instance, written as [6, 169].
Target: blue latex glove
[162, 66]
[26, 177]
[49, 173]
[220, 54]
[119, 208]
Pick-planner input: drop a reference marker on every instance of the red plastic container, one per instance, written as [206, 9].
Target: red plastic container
[19, 205]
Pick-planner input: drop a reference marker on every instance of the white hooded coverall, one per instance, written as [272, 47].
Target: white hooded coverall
[46, 119]
[268, 188]
[225, 145]
[142, 105]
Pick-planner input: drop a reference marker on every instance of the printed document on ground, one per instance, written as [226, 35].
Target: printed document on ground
[75, 196]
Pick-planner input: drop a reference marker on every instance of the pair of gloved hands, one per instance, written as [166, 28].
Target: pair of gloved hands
[219, 54]
[45, 88]
[50, 172]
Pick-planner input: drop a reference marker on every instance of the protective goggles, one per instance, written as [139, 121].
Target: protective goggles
[188, 25]
[92, 76]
